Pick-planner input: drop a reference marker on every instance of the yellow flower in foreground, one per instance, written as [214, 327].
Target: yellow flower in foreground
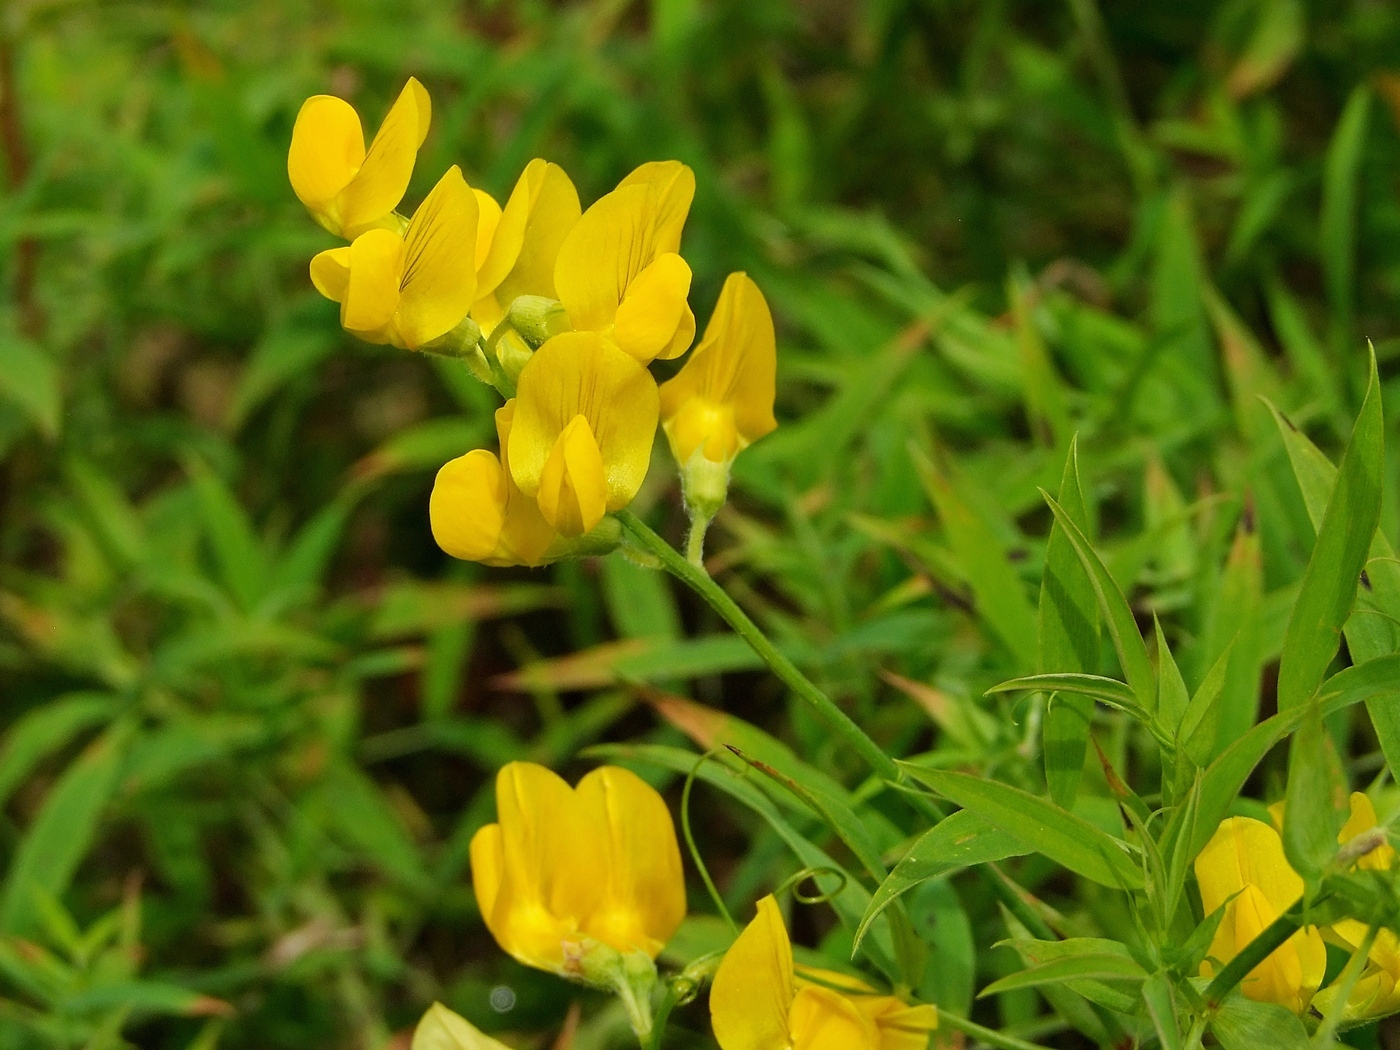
[722, 400]
[407, 290]
[1377, 991]
[441, 1029]
[618, 272]
[1244, 864]
[517, 246]
[566, 869]
[760, 1002]
[346, 188]
[585, 419]
[478, 514]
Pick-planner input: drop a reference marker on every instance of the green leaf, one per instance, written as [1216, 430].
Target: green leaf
[1172, 698]
[998, 592]
[1097, 966]
[960, 840]
[640, 601]
[1069, 641]
[1122, 627]
[1316, 800]
[1243, 1024]
[1041, 825]
[63, 831]
[1339, 556]
[1233, 625]
[146, 997]
[278, 357]
[1059, 955]
[44, 730]
[238, 553]
[29, 379]
[1161, 1010]
[1337, 225]
[1370, 631]
[357, 810]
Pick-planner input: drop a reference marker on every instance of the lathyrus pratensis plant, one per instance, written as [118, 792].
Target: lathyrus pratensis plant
[1240, 931]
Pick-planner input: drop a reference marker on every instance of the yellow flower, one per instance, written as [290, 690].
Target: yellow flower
[1377, 991]
[722, 400]
[407, 290]
[441, 1029]
[760, 1002]
[347, 189]
[618, 272]
[585, 420]
[478, 514]
[517, 246]
[1244, 864]
[567, 869]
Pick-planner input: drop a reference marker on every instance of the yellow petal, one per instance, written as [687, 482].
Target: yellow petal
[372, 292]
[684, 336]
[573, 490]
[674, 184]
[467, 509]
[653, 309]
[822, 1019]
[330, 273]
[488, 864]
[439, 278]
[753, 990]
[1244, 851]
[581, 374]
[902, 1027]
[525, 536]
[487, 223]
[643, 899]
[550, 873]
[551, 206]
[328, 147]
[379, 185]
[1363, 818]
[729, 380]
[441, 1029]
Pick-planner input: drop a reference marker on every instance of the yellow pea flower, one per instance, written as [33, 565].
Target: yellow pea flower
[346, 188]
[567, 870]
[585, 419]
[407, 290]
[722, 400]
[1244, 864]
[1377, 991]
[442, 1029]
[760, 1001]
[478, 514]
[618, 272]
[518, 245]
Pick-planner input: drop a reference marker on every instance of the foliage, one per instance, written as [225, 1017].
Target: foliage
[1127, 256]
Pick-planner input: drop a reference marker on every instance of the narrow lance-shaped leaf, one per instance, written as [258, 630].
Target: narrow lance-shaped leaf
[1041, 825]
[1316, 799]
[1069, 641]
[1338, 558]
[1117, 614]
[1337, 225]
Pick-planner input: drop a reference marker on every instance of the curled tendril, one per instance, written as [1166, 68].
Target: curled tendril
[694, 850]
[797, 878]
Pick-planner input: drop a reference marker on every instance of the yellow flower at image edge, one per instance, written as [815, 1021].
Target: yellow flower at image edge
[565, 869]
[442, 1029]
[1244, 864]
[585, 419]
[759, 1001]
[346, 188]
[407, 291]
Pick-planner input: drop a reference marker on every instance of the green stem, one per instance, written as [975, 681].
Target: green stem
[1255, 952]
[658, 1025]
[698, 580]
[695, 542]
[986, 1035]
[1197, 1033]
[1322, 1038]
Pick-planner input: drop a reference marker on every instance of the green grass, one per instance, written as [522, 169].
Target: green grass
[252, 713]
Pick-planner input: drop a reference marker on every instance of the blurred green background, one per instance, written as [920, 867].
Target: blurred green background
[251, 713]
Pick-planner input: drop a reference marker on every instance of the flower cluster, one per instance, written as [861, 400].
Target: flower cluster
[1243, 870]
[561, 309]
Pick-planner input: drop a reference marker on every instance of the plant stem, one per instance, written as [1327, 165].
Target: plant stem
[698, 580]
[695, 542]
[1197, 1033]
[986, 1035]
[658, 1025]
